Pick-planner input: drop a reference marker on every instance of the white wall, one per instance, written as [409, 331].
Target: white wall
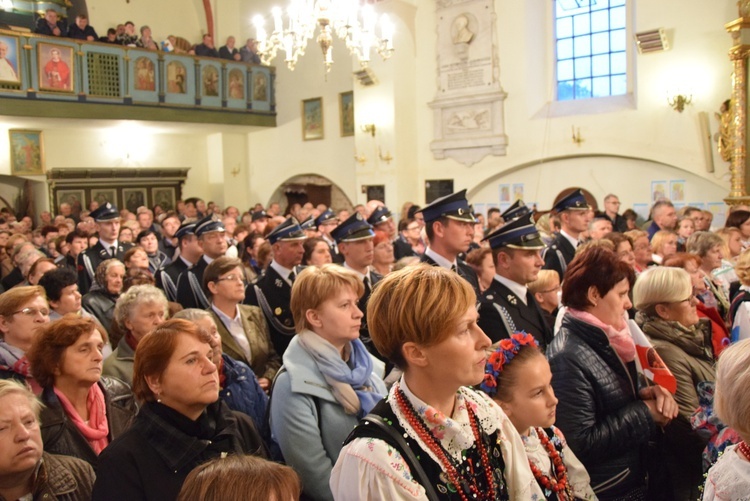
[183, 18]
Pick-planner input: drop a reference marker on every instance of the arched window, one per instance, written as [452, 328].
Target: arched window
[591, 48]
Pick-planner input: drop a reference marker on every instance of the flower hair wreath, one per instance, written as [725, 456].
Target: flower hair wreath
[505, 352]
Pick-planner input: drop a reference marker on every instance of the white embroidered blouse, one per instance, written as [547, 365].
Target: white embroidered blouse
[729, 478]
[369, 469]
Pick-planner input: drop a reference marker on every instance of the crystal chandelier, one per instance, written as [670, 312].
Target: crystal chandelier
[354, 24]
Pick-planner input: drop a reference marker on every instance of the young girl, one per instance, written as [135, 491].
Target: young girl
[518, 378]
[729, 478]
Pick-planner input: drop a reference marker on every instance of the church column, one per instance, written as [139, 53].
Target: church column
[738, 54]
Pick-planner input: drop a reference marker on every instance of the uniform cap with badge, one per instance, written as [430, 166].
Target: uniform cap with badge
[326, 217]
[308, 224]
[105, 212]
[259, 214]
[518, 209]
[208, 225]
[521, 233]
[185, 230]
[454, 206]
[573, 201]
[353, 229]
[379, 215]
[288, 231]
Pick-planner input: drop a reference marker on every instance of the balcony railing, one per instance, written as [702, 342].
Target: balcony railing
[36, 71]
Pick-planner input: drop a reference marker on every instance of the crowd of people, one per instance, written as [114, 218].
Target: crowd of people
[356, 354]
[127, 34]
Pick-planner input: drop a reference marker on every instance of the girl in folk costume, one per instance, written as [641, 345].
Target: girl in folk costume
[518, 377]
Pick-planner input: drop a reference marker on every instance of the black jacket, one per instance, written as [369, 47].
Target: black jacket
[59, 433]
[558, 255]
[151, 460]
[605, 423]
[464, 271]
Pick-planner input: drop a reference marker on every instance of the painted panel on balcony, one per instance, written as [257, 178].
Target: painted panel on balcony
[236, 86]
[209, 89]
[103, 73]
[261, 89]
[144, 78]
[179, 73]
[56, 72]
[13, 74]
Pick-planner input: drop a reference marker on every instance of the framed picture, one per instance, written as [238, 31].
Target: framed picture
[26, 152]
[104, 195]
[260, 87]
[163, 196]
[210, 81]
[176, 78]
[145, 78]
[71, 196]
[658, 190]
[677, 190]
[346, 113]
[505, 193]
[132, 198]
[9, 68]
[236, 85]
[56, 67]
[312, 119]
[518, 191]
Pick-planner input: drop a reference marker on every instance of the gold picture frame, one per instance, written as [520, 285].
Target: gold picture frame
[26, 152]
[312, 119]
[346, 113]
[57, 72]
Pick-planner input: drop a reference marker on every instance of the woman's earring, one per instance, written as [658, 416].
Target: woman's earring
[158, 397]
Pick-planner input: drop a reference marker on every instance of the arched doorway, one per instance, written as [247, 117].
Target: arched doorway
[310, 188]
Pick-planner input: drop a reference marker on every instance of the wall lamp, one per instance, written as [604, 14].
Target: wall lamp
[679, 101]
[369, 128]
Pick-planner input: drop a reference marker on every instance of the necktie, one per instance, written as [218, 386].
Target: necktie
[112, 252]
[291, 277]
[367, 287]
[453, 268]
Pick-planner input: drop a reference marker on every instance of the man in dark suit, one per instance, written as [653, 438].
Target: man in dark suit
[273, 290]
[575, 214]
[382, 219]
[190, 253]
[77, 241]
[507, 306]
[107, 219]
[449, 224]
[50, 25]
[355, 240]
[212, 241]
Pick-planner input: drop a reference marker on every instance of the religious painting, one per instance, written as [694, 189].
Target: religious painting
[56, 67]
[210, 80]
[9, 68]
[518, 191]
[104, 195]
[26, 153]
[658, 190]
[505, 193]
[312, 119]
[134, 198]
[346, 113]
[677, 190]
[144, 74]
[176, 78]
[71, 197]
[236, 85]
[163, 197]
[260, 87]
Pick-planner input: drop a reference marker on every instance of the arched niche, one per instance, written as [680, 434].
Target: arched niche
[310, 188]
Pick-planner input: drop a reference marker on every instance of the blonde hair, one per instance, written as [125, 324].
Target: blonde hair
[602, 242]
[660, 238]
[726, 234]
[661, 284]
[315, 285]
[13, 387]
[419, 304]
[732, 400]
[544, 280]
[635, 235]
[742, 268]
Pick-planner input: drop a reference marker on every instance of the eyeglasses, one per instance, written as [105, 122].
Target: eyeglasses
[32, 312]
[693, 296]
[232, 278]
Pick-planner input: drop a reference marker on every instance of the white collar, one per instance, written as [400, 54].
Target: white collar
[440, 260]
[224, 317]
[283, 272]
[518, 289]
[573, 241]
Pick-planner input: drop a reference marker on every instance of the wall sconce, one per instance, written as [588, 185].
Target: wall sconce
[385, 158]
[679, 101]
[361, 159]
[369, 128]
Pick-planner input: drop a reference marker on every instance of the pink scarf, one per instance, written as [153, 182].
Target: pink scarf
[97, 429]
[618, 335]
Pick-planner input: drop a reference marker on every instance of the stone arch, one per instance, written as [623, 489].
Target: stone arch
[303, 183]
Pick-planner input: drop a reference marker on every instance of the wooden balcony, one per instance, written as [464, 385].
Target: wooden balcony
[65, 78]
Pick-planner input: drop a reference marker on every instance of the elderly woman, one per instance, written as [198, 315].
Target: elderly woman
[239, 386]
[663, 245]
[83, 410]
[665, 301]
[137, 312]
[607, 418]
[101, 298]
[641, 249]
[481, 261]
[546, 290]
[243, 329]
[330, 381]
[707, 246]
[181, 424]
[26, 471]
[317, 252]
[22, 310]
[457, 442]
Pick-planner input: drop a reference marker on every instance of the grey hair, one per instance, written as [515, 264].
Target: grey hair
[192, 314]
[13, 387]
[136, 296]
[701, 242]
